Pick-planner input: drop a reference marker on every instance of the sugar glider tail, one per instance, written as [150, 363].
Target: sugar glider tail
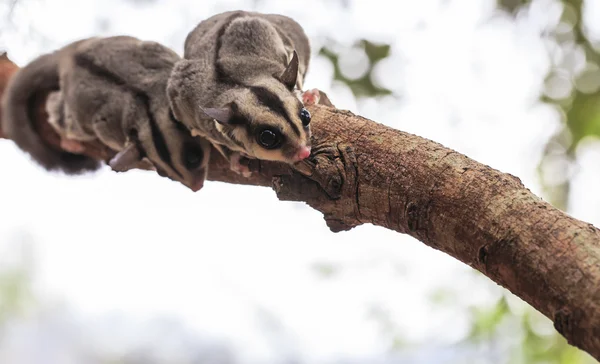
[18, 116]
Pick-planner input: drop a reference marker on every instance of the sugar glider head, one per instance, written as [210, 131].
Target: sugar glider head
[265, 117]
[171, 149]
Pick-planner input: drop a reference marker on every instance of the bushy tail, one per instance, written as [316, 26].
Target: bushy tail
[18, 113]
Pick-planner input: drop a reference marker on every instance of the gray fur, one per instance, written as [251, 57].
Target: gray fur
[114, 90]
[18, 102]
[225, 56]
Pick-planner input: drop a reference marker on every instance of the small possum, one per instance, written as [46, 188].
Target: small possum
[114, 90]
[239, 85]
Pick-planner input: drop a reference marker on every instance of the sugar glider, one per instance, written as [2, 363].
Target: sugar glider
[108, 89]
[239, 85]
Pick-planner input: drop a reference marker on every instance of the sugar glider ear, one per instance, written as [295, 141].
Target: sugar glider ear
[290, 74]
[221, 115]
[126, 159]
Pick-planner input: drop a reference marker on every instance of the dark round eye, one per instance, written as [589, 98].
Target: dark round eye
[192, 157]
[305, 117]
[269, 138]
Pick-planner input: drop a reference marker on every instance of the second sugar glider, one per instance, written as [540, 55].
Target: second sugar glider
[239, 85]
[114, 90]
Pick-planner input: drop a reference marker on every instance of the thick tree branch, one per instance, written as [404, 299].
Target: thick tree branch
[365, 172]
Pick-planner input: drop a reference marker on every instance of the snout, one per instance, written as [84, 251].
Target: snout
[302, 153]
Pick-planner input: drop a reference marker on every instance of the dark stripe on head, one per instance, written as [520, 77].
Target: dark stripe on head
[236, 116]
[237, 119]
[220, 73]
[270, 100]
[140, 96]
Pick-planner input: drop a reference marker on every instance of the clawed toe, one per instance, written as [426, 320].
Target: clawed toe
[311, 97]
[72, 146]
[236, 166]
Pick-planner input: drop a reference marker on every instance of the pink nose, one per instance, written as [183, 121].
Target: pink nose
[197, 186]
[303, 153]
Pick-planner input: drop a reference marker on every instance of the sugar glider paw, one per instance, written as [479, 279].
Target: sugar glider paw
[311, 97]
[72, 146]
[237, 167]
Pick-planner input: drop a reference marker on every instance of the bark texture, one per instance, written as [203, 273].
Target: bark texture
[364, 172]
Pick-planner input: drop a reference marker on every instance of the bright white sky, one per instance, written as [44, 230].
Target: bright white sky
[141, 245]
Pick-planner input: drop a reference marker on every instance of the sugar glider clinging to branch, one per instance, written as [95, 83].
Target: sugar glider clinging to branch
[112, 90]
[239, 86]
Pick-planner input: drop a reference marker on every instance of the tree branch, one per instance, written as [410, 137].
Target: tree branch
[364, 172]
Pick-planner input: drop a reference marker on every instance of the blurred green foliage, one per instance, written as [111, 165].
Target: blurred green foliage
[485, 321]
[579, 103]
[362, 86]
[16, 287]
[539, 342]
[572, 86]
[15, 294]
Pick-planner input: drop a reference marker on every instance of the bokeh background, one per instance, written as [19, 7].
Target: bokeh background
[133, 268]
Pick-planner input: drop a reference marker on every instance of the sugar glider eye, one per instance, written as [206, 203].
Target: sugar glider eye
[192, 156]
[269, 138]
[305, 117]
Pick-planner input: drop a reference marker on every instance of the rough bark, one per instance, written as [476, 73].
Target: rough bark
[364, 172]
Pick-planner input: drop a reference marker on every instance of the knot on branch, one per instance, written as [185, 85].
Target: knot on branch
[328, 182]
